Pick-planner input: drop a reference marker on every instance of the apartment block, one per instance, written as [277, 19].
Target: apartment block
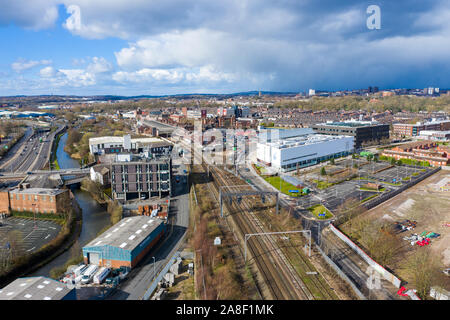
[140, 178]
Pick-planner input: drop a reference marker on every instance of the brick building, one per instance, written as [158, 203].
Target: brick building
[412, 130]
[39, 200]
[420, 151]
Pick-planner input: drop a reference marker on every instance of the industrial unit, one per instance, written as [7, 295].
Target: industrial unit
[287, 150]
[108, 145]
[125, 243]
[362, 131]
[37, 288]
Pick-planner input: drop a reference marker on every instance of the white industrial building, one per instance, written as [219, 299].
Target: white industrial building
[286, 150]
[111, 144]
[434, 135]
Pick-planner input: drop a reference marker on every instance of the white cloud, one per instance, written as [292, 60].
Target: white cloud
[22, 64]
[99, 65]
[47, 72]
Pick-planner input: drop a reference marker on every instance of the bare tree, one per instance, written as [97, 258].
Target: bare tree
[424, 270]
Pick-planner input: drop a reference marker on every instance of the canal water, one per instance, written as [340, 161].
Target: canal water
[95, 217]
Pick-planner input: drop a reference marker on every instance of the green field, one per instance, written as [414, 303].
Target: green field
[285, 186]
[318, 208]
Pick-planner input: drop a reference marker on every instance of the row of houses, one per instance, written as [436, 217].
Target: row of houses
[429, 151]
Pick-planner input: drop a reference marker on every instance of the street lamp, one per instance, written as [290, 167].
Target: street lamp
[154, 260]
[34, 214]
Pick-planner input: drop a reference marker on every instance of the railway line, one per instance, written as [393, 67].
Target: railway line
[282, 280]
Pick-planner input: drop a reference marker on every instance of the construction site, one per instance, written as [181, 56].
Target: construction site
[413, 232]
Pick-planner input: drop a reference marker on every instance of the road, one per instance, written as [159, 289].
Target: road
[15, 151]
[30, 154]
[141, 277]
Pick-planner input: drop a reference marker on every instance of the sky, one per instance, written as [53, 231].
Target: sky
[147, 47]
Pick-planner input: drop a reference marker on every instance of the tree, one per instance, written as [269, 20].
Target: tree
[424, 270]
[323, 172]
[332, 161]
[115, 210]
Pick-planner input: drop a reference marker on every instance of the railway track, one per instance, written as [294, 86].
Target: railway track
[279, 275]
[316, 284]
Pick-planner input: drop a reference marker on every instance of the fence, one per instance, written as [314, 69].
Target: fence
[161, 274]
[386, 274]
[384, 197]
[342, 274]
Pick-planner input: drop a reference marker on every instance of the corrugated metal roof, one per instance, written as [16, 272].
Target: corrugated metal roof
[34, 288]
[127, 233]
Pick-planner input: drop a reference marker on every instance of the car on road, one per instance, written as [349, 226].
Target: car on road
[29, 172]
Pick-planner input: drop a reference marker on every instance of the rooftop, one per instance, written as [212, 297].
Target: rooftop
[351, 124]
[114, 139]
[304, 140]
[34, 288]
[128, 233]
[39, 191]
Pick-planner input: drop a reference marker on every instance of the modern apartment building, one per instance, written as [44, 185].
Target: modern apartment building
[133, 177]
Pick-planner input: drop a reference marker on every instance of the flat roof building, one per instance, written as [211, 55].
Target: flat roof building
[39, 200]
[37, 288]
[363, 131]
[111, 144]
[133, 177]
[412, 130]
[298, 148]
[125, 243]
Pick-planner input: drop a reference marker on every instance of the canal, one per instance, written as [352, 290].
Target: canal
[95, 216]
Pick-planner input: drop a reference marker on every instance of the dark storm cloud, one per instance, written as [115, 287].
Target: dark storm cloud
[281, 45]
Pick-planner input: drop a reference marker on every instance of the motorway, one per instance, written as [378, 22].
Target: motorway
[30, 153]
[141, 277]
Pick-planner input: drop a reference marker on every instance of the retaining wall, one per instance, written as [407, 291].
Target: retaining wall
[386, 274]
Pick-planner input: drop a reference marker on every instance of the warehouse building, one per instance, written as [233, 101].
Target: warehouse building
[362, 131]
[125, 243]
[287, 150]
[37, 288]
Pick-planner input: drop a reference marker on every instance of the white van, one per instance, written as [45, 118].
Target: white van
[89, 274]
[101, 275]
[79, 270]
